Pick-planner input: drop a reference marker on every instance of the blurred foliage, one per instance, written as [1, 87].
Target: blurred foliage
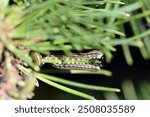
[138, 23]
[47, 26]
[131, 91]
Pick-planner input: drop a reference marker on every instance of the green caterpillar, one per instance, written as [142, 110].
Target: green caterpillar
[91, 61]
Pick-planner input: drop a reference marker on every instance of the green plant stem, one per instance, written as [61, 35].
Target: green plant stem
[76, 84]
[66, 89]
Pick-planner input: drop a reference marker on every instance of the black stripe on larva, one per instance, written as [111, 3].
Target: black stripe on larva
[77, 66]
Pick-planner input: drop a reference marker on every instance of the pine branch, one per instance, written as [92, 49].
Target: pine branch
[62, 25]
